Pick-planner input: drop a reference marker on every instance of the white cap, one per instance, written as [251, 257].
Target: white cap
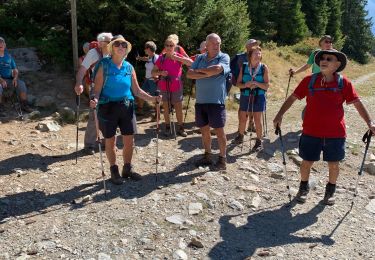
[252, 41]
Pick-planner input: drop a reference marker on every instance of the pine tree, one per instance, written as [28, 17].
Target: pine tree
[316, 12]
[357, 29]
[291, 26]
[262, 19]
[334, 22]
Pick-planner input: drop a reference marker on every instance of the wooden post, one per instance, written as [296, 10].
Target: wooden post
[74, 34]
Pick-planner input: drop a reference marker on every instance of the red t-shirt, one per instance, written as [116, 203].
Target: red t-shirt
[324, 115]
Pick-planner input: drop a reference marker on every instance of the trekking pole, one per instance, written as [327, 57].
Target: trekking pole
[98, 140]
[187, 107]
[157, 93]
[17, 106]
[366, 139]
[78, 101]
[278, 132]
[287, 89]
[265, 124]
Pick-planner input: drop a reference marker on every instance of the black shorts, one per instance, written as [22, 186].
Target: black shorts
[116, 114]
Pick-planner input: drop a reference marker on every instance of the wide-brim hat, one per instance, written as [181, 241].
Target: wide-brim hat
[341, 57]
[325, 37]
[119, 38]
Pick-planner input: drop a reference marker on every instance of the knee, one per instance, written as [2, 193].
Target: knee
[22, 86]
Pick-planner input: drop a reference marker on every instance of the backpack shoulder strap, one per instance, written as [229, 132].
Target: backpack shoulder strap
[244, 70]
[312, 82]
[340, 80]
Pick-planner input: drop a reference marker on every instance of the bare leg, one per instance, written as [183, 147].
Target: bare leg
[206, 138]
[110, 150]
[127, 151]
[178, 109]
[258, 124]
[334, 170]
[242, 122]
[305, 170]
[166, 112]
[222, 140]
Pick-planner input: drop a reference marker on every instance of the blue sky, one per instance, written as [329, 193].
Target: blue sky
[371, 13]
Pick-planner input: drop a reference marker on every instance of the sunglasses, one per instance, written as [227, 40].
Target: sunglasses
[122, 44]
[168, 45]
[329, 59]
[326, 41]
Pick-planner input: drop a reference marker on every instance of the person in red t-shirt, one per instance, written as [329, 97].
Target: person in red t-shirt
[324, 124]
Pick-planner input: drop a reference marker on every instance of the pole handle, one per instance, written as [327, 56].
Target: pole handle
[78, 100]
[367, 137]
[278, 130]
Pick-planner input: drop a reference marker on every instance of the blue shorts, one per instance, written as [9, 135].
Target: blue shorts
[116, 114]
[21, 87]
[311, 147]
[149, 86]
[210, 114]
[259, 103]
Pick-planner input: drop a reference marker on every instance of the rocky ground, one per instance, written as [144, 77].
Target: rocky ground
[53, 208]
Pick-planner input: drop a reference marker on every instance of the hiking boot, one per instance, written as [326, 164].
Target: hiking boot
[127, 172]
[302, 192]
[25, 107]
[239, 139]
[167, 131]
[181, 131]
[2, 110]
[204, 161]
[115, 175]
[329, 198]
[220, 165]
[89, 150]
[258, 145]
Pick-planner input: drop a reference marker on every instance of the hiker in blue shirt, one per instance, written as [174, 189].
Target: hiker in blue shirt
[9, 77]
[210, 71]
[115, 84]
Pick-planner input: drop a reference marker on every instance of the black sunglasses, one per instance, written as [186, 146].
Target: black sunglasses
[329, 59]
[122, 44]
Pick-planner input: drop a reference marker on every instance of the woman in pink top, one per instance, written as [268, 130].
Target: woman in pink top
[168, 68]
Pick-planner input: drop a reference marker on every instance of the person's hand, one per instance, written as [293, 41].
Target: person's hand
[253, 84]
[248, 84]
[372, 127]
[291, 72]
[157, 99]
[163, 73]
[277, 121]
[3, 83]
[93, 103]
[78, 89]
[15, 82]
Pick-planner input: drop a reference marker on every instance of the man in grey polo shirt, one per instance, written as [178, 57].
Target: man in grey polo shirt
[210, 71]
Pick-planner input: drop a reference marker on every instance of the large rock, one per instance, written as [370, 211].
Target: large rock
[67, 114]
[26, 59]
[370, 168]
[45, 101]
[48, 126]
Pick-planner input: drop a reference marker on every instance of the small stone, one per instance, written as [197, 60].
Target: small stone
[176, 219]
[254, 177]
[180, 255]
[48, 125]
[296, 159]
[234, 204]
[278, 176]
[226, 178]
[313, 245]
[194, 181]
[371, 206]
[86, 199]
[103, 256]
[274, 167]
[372, 157]
[196, 243]
[250, 188]
[195, 208]
[256, 201]
[370, 168]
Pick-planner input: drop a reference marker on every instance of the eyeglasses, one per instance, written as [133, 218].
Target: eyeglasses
[122, 44]
[168, 45]
[329, 59]
[327, 41]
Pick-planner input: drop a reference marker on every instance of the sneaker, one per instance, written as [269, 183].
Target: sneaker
[239, 139]
[25, 107]
[204, 161]
[302, 193]
[329, 198]
[258, 146]
[115, 175]
[127, 172]
[181, 131]
[220, 165]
